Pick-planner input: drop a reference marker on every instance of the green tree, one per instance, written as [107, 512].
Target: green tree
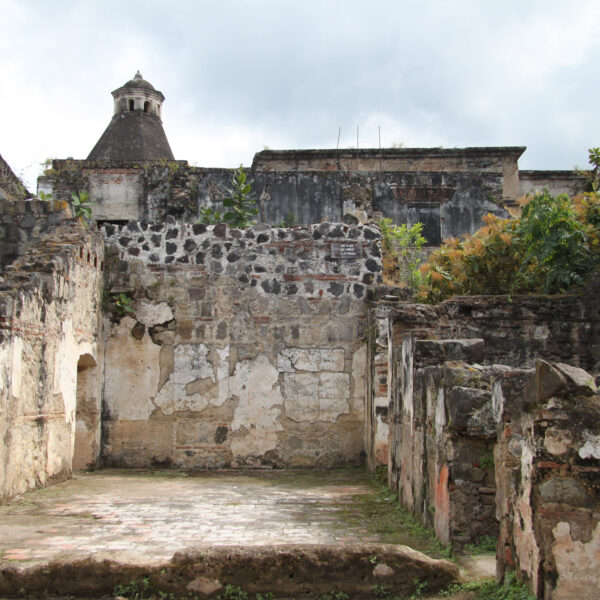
[556, 252]
[405, 245]
[241, 201]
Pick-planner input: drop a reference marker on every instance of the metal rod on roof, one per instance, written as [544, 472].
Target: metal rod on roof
[339, 134]
[357, 137]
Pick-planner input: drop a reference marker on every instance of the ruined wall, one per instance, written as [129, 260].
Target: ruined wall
[548, 476]
[439, 373]
[449, 191]
[49, 335]
[500, 161]
[11, 187]
[515, 332]
[517, 329]
[556, 182]
[23, 223]
[442, 439]
[244, 348]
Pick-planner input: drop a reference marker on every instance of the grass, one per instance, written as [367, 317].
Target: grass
[489, 589]
[485, 545]
[384, 518]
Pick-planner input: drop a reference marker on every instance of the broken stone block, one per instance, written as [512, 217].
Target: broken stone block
[204, 586]
[580, 382]
[549, 380]
[465, 410]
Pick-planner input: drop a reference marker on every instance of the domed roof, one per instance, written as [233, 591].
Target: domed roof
[139, 82]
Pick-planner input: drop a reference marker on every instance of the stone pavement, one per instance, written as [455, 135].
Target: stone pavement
[109, 526]
[154, 515]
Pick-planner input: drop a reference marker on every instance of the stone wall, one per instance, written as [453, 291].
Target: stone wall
[449, 191]
[442, 440]
[556, 182]
[548, 477]
[11, 187]
[244, 348]
[23, 223]
[438, 417]
[517, 329]
[50, 352]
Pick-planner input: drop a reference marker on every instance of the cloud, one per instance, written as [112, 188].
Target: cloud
[238, 75]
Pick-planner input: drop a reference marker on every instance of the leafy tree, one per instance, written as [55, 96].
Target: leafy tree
[556, 252]
[403, 248]
[241, 202]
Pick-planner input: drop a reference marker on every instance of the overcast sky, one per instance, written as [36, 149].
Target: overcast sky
[241, 75]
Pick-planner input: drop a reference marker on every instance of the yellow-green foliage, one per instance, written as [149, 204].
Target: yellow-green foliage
[484, 263]
[552, 248]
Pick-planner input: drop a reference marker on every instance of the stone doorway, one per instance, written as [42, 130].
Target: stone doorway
[87, 415]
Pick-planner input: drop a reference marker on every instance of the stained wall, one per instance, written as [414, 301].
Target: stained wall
[449, 191]
[50, 301]
[242, 347]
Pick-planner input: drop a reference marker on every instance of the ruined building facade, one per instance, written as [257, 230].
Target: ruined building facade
[155, 340]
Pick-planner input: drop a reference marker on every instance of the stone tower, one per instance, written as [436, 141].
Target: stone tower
[135, 133]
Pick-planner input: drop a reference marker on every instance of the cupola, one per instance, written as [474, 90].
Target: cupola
[135, 132]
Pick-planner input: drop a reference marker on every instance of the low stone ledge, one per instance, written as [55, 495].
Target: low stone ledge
[289, 570]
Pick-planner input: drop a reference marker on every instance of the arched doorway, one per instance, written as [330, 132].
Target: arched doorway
[87, 415]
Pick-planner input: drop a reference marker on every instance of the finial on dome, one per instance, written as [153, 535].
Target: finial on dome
[138, 75]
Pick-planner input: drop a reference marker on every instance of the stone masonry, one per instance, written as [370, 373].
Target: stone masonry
[50, 299]
[484, 438]
[244, 347]
[548, 477]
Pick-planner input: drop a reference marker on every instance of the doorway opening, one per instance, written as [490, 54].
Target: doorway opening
[87, 415]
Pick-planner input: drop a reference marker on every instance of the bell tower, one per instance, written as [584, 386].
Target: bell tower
[135, 132]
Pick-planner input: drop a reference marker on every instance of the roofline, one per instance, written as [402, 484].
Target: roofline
[513, 151]
[555, 173]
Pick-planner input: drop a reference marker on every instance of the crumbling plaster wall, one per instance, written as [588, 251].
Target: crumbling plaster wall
[244, 348]
[438, 378]
[443, 435]
[548, 478]
[49, 317]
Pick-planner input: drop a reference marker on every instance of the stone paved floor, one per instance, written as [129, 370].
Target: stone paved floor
[153, 515]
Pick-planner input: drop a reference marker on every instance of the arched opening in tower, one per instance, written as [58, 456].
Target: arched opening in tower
[147, 106]
[131, 104]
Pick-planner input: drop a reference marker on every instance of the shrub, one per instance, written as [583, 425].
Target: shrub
[552, 248]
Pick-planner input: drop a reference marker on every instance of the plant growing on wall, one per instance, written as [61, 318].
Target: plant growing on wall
[290, 220]
[123, 303]
[403, 252]
[82, 206]
[241, 201]
[209, 216]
